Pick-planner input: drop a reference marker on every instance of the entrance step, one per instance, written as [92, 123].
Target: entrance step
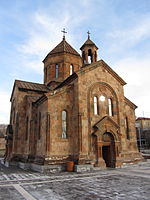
[83, 168]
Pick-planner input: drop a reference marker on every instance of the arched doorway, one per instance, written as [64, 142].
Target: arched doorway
[108, 150]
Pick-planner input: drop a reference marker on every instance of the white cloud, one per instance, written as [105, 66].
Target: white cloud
[43, 35]
[44, 32]
[135, 71]
[41, 39]
[134, 33]
[143, 102]
[36, 65]
[4, 107]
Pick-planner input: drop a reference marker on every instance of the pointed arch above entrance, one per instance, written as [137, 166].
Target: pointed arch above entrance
[108, 143]
[106, 124]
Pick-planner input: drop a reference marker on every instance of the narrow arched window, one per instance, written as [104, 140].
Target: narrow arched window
[127, 128]
[71, 69]
[64, 124]
[95, 106]
[89, 56]
[57, 70]
[110, 107]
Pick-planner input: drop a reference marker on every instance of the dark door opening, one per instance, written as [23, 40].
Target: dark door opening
[107, 155]
[108, 150]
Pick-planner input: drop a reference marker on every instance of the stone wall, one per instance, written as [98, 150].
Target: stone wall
[64, 60]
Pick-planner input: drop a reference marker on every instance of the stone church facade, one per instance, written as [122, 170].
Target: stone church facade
[79, 113]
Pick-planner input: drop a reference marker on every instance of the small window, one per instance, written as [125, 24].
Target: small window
[127, 128]
[64, 124]
[57, 70]
[95, 106]
[71, 69]
[90, 56]
[110, 107]
[102, 98]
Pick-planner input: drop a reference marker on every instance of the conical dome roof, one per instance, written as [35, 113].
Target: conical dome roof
[62, 47]
[88, 42]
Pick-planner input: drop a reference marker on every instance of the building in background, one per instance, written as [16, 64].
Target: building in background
[79, 113]
[3, 128]
[143, 132]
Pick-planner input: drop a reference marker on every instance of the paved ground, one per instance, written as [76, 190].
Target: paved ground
[130, 183]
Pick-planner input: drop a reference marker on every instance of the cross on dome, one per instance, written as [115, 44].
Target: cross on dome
[64, 32]
[88, 34]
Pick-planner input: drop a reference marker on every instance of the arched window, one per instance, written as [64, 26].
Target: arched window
[57, 70]
[64, 124]
[95, 106]
[127, 128]
[102, 98]
[90, 56]
[71, 69]
[110, 107]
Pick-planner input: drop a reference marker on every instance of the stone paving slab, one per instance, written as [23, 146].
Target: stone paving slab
[109, 187]
[130, 183]
[10, 193]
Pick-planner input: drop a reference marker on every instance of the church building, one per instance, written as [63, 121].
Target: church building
[78, 114]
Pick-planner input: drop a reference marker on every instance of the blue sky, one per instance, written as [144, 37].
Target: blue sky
[30, 29]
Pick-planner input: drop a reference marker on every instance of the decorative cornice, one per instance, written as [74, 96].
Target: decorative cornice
[132, 105]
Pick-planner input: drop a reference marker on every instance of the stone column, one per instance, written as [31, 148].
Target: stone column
[117, 151]
[83, 157]
[100, 163]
